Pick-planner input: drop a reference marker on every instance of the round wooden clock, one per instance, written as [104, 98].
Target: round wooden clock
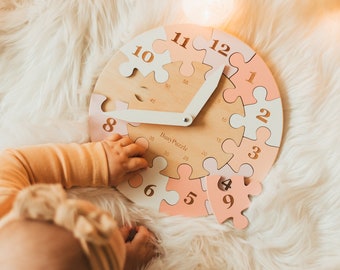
[207, 108]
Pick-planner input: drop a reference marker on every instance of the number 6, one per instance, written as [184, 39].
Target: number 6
[148, 190]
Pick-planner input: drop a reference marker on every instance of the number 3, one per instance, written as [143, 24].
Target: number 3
[256, 152]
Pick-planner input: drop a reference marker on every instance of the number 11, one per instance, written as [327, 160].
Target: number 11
[184, 43]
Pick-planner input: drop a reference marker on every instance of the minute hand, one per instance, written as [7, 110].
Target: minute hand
[152, 117]
[204, 93]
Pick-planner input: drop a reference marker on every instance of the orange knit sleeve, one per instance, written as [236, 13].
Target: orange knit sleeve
[69, 164]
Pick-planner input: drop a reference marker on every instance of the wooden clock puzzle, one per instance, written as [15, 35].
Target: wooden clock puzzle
[208, 110]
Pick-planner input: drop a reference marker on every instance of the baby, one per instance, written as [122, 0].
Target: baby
[40, 228]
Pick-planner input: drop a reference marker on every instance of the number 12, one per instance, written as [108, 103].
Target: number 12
[224, 48]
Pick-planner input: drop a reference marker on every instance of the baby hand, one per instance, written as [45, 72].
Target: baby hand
[124, 157]
[140, 247]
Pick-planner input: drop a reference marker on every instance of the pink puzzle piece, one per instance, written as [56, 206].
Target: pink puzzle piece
[225, 172]
[256, 153]
[179, 43]
[101, 126]
[250, 75]
[229, 198]
[192, 202]
[219, 49]
[149, 188]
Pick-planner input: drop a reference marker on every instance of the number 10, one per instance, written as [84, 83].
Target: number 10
[147, 56]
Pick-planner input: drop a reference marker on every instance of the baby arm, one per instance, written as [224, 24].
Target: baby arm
[105, 163]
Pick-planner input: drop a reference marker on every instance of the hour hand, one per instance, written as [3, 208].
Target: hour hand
[152, 117]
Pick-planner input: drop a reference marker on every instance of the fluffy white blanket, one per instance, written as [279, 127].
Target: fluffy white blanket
[52, 51]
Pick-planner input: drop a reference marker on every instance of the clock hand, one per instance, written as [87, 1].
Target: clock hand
[203, 94]
[152, 117]
[173, 118]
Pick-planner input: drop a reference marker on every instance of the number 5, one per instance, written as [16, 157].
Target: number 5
[190, 198]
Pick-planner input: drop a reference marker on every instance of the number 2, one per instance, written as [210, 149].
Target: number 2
[264, 116]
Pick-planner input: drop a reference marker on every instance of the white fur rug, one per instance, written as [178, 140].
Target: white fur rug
[52, 51]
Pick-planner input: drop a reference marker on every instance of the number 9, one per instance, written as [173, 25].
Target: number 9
[228, 200]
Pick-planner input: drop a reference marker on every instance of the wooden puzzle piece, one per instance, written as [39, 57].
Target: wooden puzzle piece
[101, 125]
[256, 153]
[175, 144]
[248, 76]
[117, 87]
[149, 188]
[163, 96]
[192, 202]
[179, 43]
[220, 47]
[142, 56]
[229, 198]
[267, 113]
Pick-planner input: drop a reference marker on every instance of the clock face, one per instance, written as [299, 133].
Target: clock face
[211, 164]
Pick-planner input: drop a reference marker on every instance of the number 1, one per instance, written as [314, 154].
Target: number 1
[252, 77]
